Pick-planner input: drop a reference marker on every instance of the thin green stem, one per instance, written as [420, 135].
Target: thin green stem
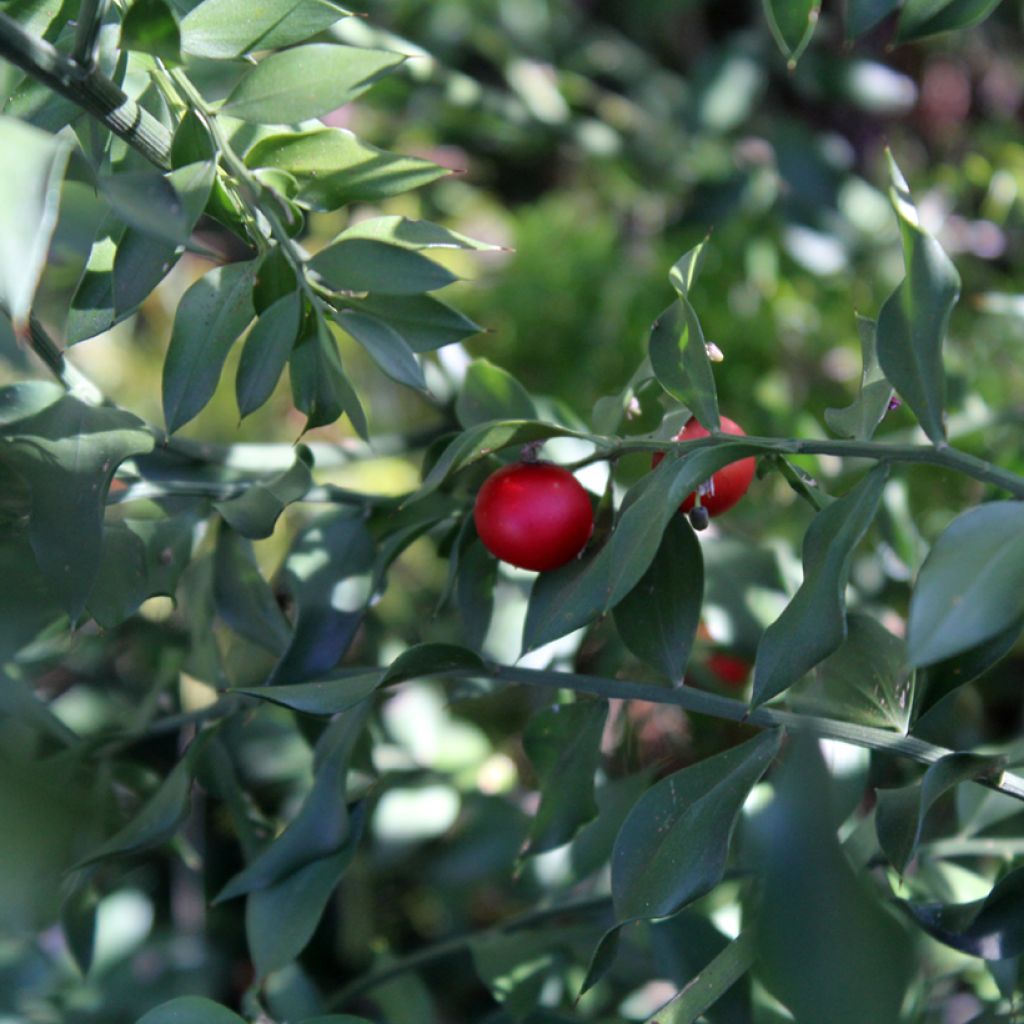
[89, 89]
[52, 355]
[87, 31]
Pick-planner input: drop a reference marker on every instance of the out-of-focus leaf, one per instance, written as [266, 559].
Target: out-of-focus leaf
[658, 618]
[25, 610]
[792, 23]
[474, 592]
[320, 387]
[813, 625]
[190, 1010]
[860, 419]
[306, 81]
[149, 202]
[901, 812]
[862, 15]
[334, 168]
[491, 393]
[386, 347]
[563, 744]
[32, 164]
[424, 322]
[210, 317]
[366, 265]
[78, 921]
[922, 18]
[255, 513]
[813, 903]
[266, 352]
[67, 453]
[149, 26]
[413, 234]
[228, 28]
[432, 659]
[971, 586]
[913, 320]
[866, 680]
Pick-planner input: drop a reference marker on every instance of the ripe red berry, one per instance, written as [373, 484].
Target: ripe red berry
[729, 484]
[730, 670]
[533, 515]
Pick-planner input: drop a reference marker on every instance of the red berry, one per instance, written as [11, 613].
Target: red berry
[729, 670]
[533, 515]
[729, 484]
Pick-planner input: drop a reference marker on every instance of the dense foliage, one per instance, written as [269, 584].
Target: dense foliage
[282, 741]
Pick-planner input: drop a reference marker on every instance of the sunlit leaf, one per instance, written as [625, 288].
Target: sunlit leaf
[860, 419]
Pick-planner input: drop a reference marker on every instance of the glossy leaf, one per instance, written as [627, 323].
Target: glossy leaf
[210, 317]
[813, 624]
[860, 419]
[327, 696]
[424, 322]
[366, 265]
[491, 393]
[386, 347]
[658, 618]
[413, 234]
[866, 680]
[320, 387]
[792, 23]
[912, 322]
[224, 28]
[334, 168]
[432, 659]
[563, 744]
[67, 452]
[266, 352]
[971, 586]
[901, 812]
[150, 26]
[32, 164]
[306, 81]
[922, 18]
[190, 1010]
[255, 513]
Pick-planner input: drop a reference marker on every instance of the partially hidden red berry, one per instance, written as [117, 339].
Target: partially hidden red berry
[729, 669]
[533, 515]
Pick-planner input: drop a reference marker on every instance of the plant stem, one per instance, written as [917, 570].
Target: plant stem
[87, 30]
[52, 355]
[89, 89]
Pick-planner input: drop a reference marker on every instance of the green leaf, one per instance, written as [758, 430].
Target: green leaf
[243, 597]
[860, 419]
[866, 680]
[210, 317]
[320, 387]
[191, 143]
[190, 1010]
[25, 610]
[327, 696]
[150, 26]
[673, 846]
[334, 168]
[432, 659]
[563, 744]
[32, 165]
[413, 234]
[307, 81]
[658, 618]
[862, 15]
[912, 322]
[229, 28]
[255, 513]
[922, 18]
[971, 586]
[266, 352]
[813, 904]
[813, 624]
[677, 349]
[792, 24]
[491, 393]
[146, 200]
[160, 817]
[424, 322]
[386, 347]
[901, 812]
[67, 453]
[366, 265]
[474, 591]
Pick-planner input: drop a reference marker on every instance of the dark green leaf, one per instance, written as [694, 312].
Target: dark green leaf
[274, 280]
[860, 419]
[366, 265]
[658, 618]
[210, 317]
[32, 164]
[563, 744]
[491, 393]
[146, 200]
[334, 168]
[255, 513]
[474, 592]
[432, 659]
[306, 81]
[320, 387]
[813, 625]
[227, 28]
[25, 610]
[386, 346]
[913, 320]
[971, 586]
[190, 1010]
[424, 322]
[150, 26]
[266, 352]
[327, 696]
[192, 143]
[922, 18]
[901, 813]
[792, 23]
[862, 15]
[78, 921]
